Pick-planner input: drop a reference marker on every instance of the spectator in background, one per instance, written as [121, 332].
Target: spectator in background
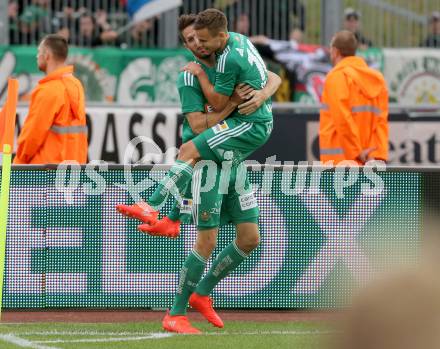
[241, 13]
[93, 32]
[64, 32]
[433, 39]
[242, 24]
[140, 35]
[55, 128]
[13, 23]
[34, 21]
[288, 52]
[297, 59]
[352, 23]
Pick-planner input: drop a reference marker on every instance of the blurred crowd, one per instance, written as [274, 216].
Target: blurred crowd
[93, 26]
[306, 65]
[102, 22]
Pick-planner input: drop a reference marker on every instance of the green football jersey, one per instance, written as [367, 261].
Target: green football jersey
[238, 63]
[192, 98]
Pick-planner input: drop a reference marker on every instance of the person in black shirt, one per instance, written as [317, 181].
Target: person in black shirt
[433, 39]
[352, 23]
[92, 33]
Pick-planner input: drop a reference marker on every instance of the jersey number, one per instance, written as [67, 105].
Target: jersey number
[254, 58]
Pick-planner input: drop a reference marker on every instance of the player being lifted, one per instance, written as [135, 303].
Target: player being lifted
[235, 139]
[208, 218]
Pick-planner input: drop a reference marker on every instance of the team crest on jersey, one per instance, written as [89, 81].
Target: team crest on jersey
[205, 216]
[220, 127]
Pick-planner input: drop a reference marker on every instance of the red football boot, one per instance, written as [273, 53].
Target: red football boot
[164, 227]
[178, 324]
[141, 211]
[203, 304]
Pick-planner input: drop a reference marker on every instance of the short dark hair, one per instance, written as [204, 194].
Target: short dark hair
[345, 41]
[212, 19]
[184, 22]
[57, 44]
[351, 12]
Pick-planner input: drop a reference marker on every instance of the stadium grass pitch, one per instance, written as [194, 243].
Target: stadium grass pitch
[236, 334]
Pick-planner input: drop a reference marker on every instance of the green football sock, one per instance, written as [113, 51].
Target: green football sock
[174, 214]
[177, 177]
[190, 275]
[227, 261]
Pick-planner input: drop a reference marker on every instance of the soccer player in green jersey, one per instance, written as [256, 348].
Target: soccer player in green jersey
[239, 136]
[215, 209]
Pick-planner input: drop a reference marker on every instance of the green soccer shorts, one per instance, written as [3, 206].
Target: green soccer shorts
[229, 198]
[232, 140]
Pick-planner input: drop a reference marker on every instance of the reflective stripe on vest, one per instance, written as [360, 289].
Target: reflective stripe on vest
[325, 107]
[62, 130]
[331, 151]
[366, 108]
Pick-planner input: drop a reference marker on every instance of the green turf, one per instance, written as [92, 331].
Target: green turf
[236, 334]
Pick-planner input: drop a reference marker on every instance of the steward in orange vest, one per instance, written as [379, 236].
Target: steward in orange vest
[354, 116]
[55, 128]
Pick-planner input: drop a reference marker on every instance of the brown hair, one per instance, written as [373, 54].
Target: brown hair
[212, 19]
[184, 22]
[345, 42]
[57, 44]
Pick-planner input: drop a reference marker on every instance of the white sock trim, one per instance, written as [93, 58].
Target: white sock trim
[240, 252]
[199, 257]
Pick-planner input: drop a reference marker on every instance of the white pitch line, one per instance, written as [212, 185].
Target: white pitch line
[21, 342]
[167, 335]
[144, 333]
[106, 340]
[85, 333]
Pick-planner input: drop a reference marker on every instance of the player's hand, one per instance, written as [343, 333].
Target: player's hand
[243, 91]
[364, 156]
[257, 98]
[194, 68]
[241, 94]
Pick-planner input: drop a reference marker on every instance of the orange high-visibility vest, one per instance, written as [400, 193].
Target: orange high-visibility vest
[55, 128]
[354, 113]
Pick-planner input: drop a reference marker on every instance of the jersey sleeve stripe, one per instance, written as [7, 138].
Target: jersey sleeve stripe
[219, 64]
[222, 61]
[189, 79]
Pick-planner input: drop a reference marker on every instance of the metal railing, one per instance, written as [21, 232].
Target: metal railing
[413, 110]
[387, 23]
[395, 23]
[256, 17]
[88, 23]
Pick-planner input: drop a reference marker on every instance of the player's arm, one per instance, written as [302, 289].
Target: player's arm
[217, 100]
[256, 98]
[227, 72]
[193, 104]
[200, 122]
